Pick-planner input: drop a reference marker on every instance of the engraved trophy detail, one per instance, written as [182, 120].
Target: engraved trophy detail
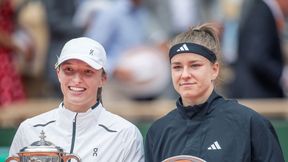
[42, 151]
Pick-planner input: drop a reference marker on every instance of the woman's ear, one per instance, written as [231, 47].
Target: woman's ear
[215, 70]
[58, 74]
[103, 79]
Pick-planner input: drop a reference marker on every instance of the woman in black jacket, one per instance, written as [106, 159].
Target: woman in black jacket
[204, 124]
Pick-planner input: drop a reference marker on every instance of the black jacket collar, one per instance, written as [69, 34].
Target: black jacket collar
[202, 109]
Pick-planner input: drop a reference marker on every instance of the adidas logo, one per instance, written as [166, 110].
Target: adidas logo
[215, 146]
[183, 48]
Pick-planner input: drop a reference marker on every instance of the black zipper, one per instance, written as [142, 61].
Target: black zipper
[74, 130]
[73, 134]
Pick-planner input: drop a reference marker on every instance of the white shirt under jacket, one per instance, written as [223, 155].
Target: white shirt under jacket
[100, 136]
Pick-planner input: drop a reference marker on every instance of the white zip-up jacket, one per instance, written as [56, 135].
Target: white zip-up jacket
[96, 135]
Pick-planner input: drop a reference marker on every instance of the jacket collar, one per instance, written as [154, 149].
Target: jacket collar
[201, 109]
[66, 116]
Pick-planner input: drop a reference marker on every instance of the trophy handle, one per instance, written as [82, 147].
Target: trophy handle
[70, 156]
[13, 158]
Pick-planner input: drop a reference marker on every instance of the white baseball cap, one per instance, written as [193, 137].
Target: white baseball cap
[84, 49]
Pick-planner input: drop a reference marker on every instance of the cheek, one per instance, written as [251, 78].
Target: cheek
[64, 82]
[175, 77]
[62, 79]
[203, 77]
[94, 82]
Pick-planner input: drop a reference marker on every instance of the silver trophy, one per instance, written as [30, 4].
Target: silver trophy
[42, 151]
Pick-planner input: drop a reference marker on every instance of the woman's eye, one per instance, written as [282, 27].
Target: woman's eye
[176, 67]
[88, 72]
[195, 65]
[68, 70]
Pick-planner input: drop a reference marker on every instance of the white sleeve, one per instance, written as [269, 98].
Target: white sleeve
[17, 142]
[134, 149]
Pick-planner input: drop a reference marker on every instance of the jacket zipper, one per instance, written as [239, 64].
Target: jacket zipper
[73, 134]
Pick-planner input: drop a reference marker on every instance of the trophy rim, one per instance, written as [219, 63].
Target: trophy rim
[184, 157]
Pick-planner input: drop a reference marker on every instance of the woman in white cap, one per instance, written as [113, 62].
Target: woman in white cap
[204, 124]
[81, 125]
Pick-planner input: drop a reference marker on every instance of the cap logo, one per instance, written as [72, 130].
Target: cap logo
[91, 52]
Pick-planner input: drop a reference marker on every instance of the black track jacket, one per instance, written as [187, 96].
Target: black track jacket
[219, 130]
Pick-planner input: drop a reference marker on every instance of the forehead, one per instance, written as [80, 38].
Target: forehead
[187, 57]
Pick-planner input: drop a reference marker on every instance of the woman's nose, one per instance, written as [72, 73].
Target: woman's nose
[77, 78]
[185, 73]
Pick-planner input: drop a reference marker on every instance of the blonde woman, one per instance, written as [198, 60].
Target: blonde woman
[204, 124]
